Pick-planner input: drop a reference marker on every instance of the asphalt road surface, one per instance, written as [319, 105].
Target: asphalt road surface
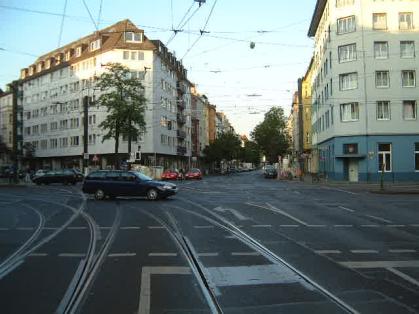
[233, 244]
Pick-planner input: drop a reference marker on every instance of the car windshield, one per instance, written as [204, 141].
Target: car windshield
[142, 176]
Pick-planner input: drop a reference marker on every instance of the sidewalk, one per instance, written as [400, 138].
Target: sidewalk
[371, 187]
[4, 182]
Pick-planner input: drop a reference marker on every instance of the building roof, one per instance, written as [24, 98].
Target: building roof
[317, 15]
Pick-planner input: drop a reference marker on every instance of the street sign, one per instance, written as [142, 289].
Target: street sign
[95, 158]
[86, 156]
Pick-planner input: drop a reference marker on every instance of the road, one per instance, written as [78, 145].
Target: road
[234, 244]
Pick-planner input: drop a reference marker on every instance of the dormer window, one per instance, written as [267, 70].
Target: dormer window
[58, 59]
[133, 37]
[23, 73]
[39, 67]
[78, 52]
[67, 55]
[31, 68]
[95, 45]
[48, 64]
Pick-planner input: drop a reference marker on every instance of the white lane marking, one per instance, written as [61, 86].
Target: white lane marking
[370, 226]
[145, 288]
[414, 225]
[230, 236]
[71, 255]
[344, 191]
[395, 226]
[105, 228]
[208, 254]
[77, 228]
[245, 253]
[347, 209]
[162, 254]
[279, 211]
[380, 219]
[328, 251]
[364, 251]
[4, 229]
[122, 254]
[380, 264]
[130, 228]
[261, 226]
[50, 228]
[203, 227]
[403, 275]
[38, 254]
[402, 251]
[316, 226]
[155, 227]
[289, 226]
[234, 212]
[343, 226]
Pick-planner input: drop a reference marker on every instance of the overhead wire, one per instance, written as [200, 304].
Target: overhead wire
[90, 15]
[180, 25]
[99, 15]
[62, 24]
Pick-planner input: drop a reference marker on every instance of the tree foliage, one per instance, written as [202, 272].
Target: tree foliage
[123, 97]
[271, 136]
[250, 153]
[225, 147]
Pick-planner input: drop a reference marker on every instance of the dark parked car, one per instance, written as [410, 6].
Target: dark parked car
[270, 172]
[113, 183]
[66, 176]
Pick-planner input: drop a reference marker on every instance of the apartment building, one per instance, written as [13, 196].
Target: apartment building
[364, 89]
[199, 134]
[55, 84]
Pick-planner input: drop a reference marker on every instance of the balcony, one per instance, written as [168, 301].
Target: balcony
[181, 134]
[181, 118]
[181, 150]
[181, 104]
[181, 87]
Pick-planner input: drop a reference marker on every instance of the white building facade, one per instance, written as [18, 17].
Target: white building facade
[54, 87]
[364, 89]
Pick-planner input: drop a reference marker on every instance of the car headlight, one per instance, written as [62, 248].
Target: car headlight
[165, 187]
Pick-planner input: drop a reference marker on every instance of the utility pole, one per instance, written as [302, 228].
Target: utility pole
[85, 133]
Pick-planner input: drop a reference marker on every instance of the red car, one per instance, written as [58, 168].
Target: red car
[194, 173]
[171, 175]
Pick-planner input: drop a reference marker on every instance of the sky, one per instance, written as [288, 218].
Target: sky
[242, 82]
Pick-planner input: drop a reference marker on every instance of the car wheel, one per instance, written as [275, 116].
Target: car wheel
[99, 194]
[152, 194]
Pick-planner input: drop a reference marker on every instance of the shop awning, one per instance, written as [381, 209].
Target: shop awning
[360, 156]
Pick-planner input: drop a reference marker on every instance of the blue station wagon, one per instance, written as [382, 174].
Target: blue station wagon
[114, 183]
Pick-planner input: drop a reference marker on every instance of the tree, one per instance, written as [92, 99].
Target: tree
[226, 146]
[251, 153]
[271, 136]
[125, 102]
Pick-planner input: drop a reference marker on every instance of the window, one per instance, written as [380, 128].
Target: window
[74, 141]
[92, 119]
[347, 53]
[74, 123]
[133, 37]
[35, 129]
[63, 142]
[405, 21]
[408, 78]
[379, 21]
[407, 49]
[409, 110]
[380, 50]
[384, 157]
[28, 130]
[383, 110]
[344, 3]
[44, 144]
[92, 139]
[163, 139]
[95, 45]
[348, 81]
[53, 143]
[53, 126]
[417, 156]
[44, 128]
[63, 124]
[67, 56]
[382, 79]
[125, 55]
[346, 25]
[133, 55]
[350, 148]
[140, 55]
[78, 52]
[349, 112]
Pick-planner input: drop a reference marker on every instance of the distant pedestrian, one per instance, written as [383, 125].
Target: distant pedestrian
[28, 175]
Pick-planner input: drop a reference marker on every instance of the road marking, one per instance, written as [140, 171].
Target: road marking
[130, 228]
[344, 191]
[105, 228]
[395, 226]
[122, 254]
[145, 288]
[402, 251]
[379, 219]
[50, 228]
[414, 225]
[207, 254]
[370, 226]
[316, 226]
[38, 254]
[245, 253]
[4, 229]
[71, 255]
[279, 211]
[381, 264]
[364, 251]
[77, 228]
[346, 208]
[343, 226]
[261, 226]
[234, 212]
[403, 275]
[328, 251]
[203, 227]
[230, 236]
[155, 227]
[289, 226]
[162, 254]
